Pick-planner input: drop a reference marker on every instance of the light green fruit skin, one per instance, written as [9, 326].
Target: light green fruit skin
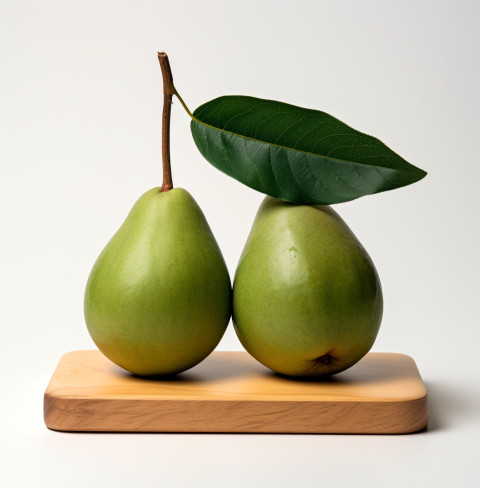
[158, 299]
[304, 288]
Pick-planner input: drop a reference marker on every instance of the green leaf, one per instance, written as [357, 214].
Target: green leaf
[295, 154]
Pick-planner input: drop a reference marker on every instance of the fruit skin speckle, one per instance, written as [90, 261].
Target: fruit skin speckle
[305, 291]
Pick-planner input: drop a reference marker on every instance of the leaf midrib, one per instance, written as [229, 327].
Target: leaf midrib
[296, 150]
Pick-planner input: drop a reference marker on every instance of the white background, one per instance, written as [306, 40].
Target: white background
[80, 115]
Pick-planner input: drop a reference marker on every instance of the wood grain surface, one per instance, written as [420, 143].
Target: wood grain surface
[232, 392]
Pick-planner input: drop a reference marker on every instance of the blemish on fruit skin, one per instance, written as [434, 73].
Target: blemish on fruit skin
[293, 252]
[325, 359]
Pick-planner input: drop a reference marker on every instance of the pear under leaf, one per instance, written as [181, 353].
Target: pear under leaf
[307, 298]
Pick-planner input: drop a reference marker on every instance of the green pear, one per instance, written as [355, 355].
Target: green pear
[158, 299]
[307, 299]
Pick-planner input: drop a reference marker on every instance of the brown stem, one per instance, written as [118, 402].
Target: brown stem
[168, 91]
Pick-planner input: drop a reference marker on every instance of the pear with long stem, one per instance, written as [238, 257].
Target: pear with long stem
[158, 299]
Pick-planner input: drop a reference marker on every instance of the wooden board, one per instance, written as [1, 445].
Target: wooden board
[232, 392]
